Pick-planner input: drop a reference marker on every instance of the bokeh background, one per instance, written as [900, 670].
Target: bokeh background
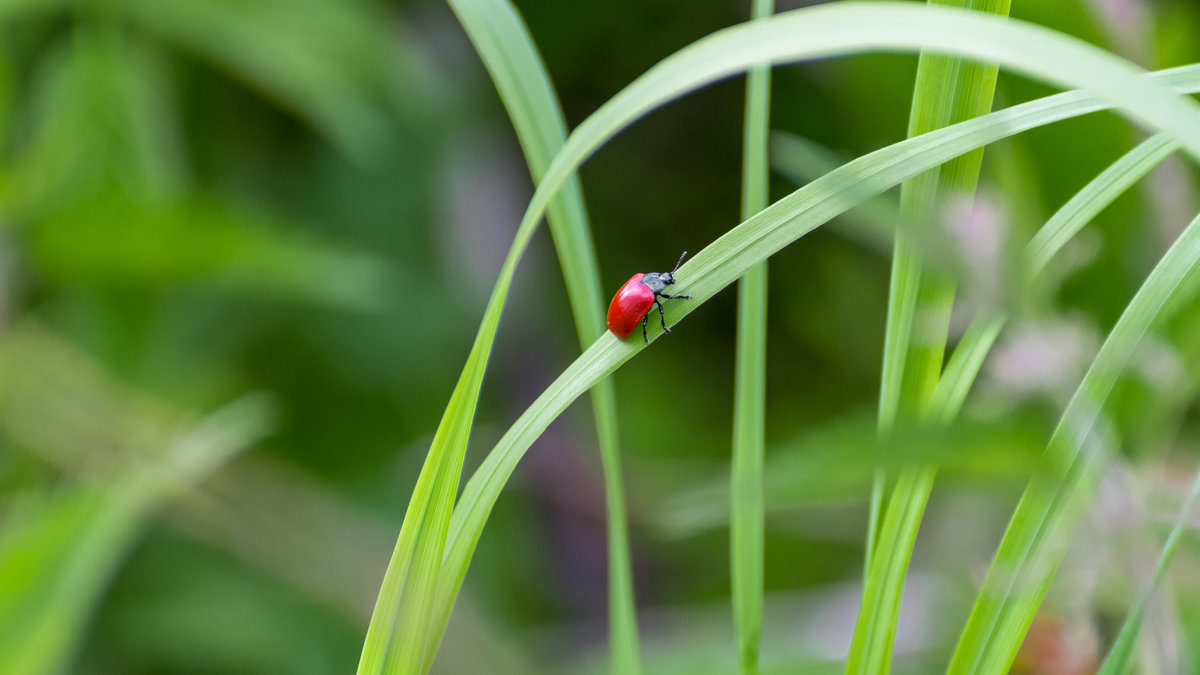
[267, 229]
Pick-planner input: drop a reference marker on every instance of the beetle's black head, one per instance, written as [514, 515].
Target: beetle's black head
[657, 281]
[668, 278]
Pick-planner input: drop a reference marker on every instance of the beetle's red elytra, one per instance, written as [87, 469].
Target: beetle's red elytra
[632, 303]
[629, 306]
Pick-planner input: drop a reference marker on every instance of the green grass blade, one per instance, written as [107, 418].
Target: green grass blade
[1120, 658]
[1097, 195]
[728, 259]
[1084, 206]
[54, 566]
[968, 357]
[832, 464]
[397, 635]
[806, 33]
[851, 27]
[1065, 223]
[910, 496]
[947, 90]
[964, 366]
[746, 540]
[512, 60]
[872, 224]
[1089, 201]
[1032, 546]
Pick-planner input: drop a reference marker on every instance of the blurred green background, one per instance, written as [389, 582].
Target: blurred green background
[265, 230]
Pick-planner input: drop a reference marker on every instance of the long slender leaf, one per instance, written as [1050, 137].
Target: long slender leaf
[947, 90]
[1093, 198]
[730, 256]
[1089, 201]
[1050, 239]
[746, 539]
[1066, 222]
[1032, 547]
[820, 31]
[508, 52]
[1120, 657]
[833, 464]
[872, 224]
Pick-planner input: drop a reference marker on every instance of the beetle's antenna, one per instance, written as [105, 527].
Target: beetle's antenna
[679, 263]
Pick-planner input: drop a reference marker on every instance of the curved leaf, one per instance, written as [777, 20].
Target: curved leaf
[727, 259]
[823, 31]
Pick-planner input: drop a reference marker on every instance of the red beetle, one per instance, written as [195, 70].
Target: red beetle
[633, 302]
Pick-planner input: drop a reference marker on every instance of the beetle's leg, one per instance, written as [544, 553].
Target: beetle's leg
[644, 320]
[662, 317]
[676, 297]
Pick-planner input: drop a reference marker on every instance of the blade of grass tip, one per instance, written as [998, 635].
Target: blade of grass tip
[507, 50]
[727, 259]
[964, 366]
[825, 30]
[1120, 658]
[746, 539]
[1033, 544]
[947, 90]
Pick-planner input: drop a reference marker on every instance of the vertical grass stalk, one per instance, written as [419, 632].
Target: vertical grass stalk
[947, 90]
[515, 66]
[746, 490]
[1120, 657]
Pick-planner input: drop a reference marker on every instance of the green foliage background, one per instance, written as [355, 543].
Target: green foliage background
[244, 249]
